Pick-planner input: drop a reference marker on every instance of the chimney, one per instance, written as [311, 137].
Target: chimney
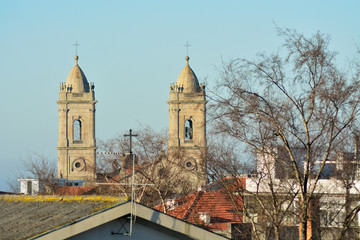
[171, 204]
[205, 217]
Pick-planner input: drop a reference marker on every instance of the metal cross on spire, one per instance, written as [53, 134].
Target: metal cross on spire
[76, 47]
[187, 45]
[130, 135]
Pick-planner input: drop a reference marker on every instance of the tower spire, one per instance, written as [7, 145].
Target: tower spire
[76, 142]
[187, 126]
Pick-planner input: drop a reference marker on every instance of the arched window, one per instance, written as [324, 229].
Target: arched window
[77, 130]
[188, 130]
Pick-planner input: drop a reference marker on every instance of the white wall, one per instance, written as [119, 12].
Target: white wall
[140, 231]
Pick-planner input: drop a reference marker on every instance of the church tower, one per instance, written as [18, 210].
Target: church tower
[76, 143]
[187, 124]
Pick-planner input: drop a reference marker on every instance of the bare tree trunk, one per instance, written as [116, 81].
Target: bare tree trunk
[303, 233]
[277, 233]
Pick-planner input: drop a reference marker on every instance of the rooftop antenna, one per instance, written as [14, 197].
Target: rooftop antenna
[130, 135]
[122, 227]
[187, 45]
[76, 44]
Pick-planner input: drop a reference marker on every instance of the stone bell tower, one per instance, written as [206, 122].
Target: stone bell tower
[76, 144]
[187, 124]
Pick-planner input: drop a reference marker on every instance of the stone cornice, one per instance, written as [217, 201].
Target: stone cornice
[186, 147]
[76, 101]
[187, 101]
[76, 148]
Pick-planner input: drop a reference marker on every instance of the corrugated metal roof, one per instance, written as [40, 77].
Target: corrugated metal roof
[24, 216]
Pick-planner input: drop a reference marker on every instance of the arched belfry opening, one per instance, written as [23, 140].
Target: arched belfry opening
[77, 130]
[189, 130]
[76, 143]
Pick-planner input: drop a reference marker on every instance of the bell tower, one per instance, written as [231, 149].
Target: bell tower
[76, 143]
[187, 125]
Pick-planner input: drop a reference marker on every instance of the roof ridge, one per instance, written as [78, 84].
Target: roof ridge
[57, 198]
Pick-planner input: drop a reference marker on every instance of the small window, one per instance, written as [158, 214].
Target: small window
[188, 130]
[77, 130]
[189, 164]
[79, 165]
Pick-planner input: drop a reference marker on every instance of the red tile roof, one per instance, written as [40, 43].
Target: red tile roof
[222, 207]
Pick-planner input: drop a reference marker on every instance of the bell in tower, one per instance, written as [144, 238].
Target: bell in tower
[187, 124]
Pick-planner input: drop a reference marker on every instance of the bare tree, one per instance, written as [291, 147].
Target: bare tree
[164, 179]
[294, 108]
[148, 146]
[157, 177]
[39, 167]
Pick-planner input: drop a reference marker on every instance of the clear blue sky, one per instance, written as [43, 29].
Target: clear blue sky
[132, 51]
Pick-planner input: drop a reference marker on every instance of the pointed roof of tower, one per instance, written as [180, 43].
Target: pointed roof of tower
[77, 79]
[187, 79]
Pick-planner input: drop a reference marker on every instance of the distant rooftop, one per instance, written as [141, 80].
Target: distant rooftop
[213, 200]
